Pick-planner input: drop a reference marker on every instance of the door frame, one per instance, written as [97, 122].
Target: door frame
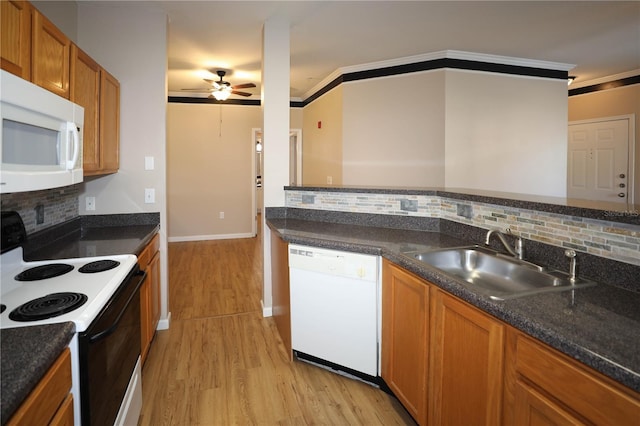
[255, 131]
[631, 148]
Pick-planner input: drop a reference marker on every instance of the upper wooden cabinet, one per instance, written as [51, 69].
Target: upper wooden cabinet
[109, 123]
[36, 50]
[93, 88]
[405, 338]
[51, 51]
[85, 91]
[15, 37]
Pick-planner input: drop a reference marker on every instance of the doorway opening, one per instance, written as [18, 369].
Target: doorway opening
[295, 168]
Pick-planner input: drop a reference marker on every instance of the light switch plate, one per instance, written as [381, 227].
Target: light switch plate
[149, 163]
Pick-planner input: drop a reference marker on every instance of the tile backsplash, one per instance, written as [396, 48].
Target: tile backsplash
[58, 205]
[612, 240]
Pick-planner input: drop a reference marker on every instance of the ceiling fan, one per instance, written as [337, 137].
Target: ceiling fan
[221, 90]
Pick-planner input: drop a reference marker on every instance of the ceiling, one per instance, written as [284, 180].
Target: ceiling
[602, 38]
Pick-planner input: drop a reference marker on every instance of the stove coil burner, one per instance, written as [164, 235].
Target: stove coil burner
[44, 271]
[49, 306]
[98, 266]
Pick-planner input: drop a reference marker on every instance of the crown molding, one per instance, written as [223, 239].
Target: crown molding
[443, 54]
[607, 79]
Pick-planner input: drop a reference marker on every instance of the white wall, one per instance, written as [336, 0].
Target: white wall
[393, 130]
[506, 133]
[129, 39]
[275, 130]
[209, 170]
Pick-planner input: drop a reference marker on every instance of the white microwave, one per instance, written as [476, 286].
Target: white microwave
[41, 138]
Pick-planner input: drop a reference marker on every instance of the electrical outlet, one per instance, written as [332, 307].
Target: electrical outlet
[39, 214]
[221, 215]
[149, 195]
[90, 203]
[329, 180]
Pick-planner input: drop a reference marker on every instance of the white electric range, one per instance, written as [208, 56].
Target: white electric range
[101, 296]
[46, 301]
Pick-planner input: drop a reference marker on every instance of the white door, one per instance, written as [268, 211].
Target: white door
[598, 159]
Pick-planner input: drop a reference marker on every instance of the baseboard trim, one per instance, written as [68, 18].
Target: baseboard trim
[267, 311]
[163, 324]
[209, 237]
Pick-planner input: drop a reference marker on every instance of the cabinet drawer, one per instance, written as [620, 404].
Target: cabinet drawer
[42, 403]
[149, 251]
[584, 391]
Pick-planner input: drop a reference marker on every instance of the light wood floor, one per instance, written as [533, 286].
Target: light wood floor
[222, 363]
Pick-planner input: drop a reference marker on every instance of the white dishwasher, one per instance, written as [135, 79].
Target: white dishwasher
[334, 306]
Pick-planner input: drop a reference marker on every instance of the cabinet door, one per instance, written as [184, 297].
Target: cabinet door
[51, 54]
[15, 37]
[466, 364]
[405, 338]
[533, 409]
[154, 280]
[280, 290]
[109, 123]
[85, 91]
[145, 325]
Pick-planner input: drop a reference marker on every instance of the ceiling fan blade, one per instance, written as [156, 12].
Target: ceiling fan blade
[208, 81]
[197, 90]
[243, 86]
[240, 93]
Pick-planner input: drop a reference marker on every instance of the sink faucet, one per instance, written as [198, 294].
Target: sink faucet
[571, 254]
[517, 251]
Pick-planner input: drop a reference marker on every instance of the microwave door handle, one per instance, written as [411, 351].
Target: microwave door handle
[75, 136]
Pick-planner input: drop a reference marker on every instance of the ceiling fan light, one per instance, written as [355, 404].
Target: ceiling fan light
[221, 95]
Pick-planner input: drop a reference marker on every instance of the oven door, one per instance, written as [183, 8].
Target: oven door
[108, 352]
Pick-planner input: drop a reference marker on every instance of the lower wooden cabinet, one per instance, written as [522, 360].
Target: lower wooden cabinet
[546, 387]
[51, 402]
[466, 375]
[149, 261]
[449, 363]
[405, 338]
[280, 290]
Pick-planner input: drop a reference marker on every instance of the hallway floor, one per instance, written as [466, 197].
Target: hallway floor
[222, 363]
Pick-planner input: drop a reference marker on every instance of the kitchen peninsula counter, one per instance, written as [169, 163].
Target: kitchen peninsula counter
[26, 355]
[598, 326]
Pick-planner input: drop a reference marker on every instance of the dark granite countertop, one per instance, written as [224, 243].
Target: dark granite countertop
[88, 236]
[599, 326]
[26, 354]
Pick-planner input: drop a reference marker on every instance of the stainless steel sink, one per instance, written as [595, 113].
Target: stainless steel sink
[497, 276]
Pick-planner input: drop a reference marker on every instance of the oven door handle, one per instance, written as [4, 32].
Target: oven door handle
[104, 333]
